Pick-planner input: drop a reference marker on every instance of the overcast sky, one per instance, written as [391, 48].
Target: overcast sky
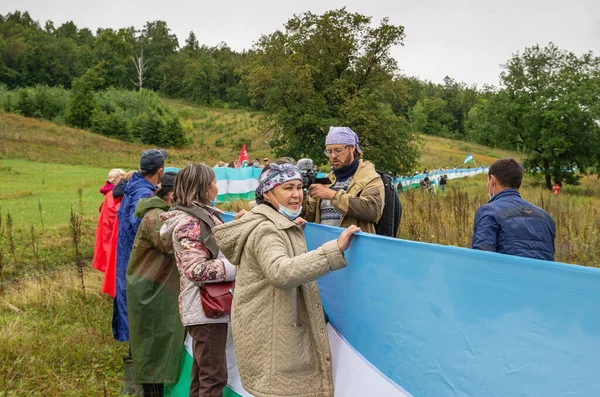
[464, 39]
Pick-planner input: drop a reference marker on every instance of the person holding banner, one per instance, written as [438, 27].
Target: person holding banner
[277, 319]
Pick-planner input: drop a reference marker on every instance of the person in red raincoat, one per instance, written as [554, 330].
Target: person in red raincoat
[110, 275]
[108, 213]
[556, 188]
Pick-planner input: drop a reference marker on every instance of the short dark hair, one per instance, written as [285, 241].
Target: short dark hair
[508, 172]
[163, 191]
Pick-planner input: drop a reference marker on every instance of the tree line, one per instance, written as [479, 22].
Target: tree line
[323, 70]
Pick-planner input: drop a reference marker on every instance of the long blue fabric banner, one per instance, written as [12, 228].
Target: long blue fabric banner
[445, 321]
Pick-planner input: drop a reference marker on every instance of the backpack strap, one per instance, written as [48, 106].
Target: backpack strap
[206, 225]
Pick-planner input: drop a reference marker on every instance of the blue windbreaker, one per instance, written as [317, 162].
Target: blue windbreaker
[510, 225]
[137, 188]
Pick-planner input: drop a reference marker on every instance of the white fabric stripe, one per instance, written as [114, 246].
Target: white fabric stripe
[234, 382]
[188, 344]
[353, 376]
[236, 187]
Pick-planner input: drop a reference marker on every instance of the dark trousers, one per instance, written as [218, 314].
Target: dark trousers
[209, 371]
[153, 389]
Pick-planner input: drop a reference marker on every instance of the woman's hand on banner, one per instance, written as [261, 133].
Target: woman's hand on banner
[346, 237]
[240, 214]
[301, 222]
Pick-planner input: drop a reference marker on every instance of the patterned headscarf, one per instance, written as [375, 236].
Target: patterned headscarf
[342, 136]
[277, 174]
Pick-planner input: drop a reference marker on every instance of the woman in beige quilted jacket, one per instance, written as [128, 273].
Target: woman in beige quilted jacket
[277, 320]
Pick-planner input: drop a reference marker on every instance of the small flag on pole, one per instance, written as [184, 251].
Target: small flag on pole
[468, 159]
[243, 156]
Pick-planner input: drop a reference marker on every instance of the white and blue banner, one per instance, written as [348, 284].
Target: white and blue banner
[434, 176]
[240, 183]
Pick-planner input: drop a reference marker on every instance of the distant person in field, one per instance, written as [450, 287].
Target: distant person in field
[265, 162]
[443, 181]
[155, 329]
[106, 221]
[507, 224]
[556, 188]
[256, 163]
[141, 185]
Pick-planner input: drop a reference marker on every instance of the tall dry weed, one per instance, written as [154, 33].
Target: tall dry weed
[41, 212]
[10, 236]
[447, 219]
[76, 233]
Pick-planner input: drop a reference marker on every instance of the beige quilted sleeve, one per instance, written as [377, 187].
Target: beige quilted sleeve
[285, 272]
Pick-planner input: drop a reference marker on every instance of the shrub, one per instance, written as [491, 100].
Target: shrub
[237, 144]
[137, 116]
[128, 115]
[42, 102]
[7, 99]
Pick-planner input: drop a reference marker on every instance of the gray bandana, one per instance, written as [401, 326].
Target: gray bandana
[277, 174]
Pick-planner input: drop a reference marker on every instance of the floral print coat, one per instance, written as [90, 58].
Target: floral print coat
[194, 263]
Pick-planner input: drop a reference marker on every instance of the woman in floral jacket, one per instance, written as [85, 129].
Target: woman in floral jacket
[199, 261]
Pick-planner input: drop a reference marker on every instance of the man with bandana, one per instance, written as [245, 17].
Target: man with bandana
[356, 194]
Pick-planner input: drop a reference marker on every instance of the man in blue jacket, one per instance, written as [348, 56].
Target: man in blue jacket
[141, 185]
[507, 224]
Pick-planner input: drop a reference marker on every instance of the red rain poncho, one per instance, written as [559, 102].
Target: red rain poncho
[104, 230]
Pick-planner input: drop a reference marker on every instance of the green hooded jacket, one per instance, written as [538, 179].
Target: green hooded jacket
[155, 330]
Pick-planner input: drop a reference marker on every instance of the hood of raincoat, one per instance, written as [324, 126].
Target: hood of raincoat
[144, 205]
[136, 183]
[119, 189]
[106, 188]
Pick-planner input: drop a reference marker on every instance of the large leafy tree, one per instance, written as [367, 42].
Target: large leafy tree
[157, 43]
[549, 106]
[325, 70]
[114, 51]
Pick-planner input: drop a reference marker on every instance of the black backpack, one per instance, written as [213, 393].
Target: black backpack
[392, 209]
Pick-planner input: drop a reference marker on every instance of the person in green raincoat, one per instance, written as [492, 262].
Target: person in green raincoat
[155, 330]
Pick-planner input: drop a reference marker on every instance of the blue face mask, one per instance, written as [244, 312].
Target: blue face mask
[212, 203]
[288, 213]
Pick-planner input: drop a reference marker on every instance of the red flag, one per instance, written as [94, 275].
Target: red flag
[243, 155]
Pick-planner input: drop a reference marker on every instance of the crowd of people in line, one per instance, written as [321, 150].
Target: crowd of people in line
[173, 265]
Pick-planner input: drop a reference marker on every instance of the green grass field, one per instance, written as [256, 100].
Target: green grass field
[26, 185]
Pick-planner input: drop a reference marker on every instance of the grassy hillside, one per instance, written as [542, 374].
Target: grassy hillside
[30, 139]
